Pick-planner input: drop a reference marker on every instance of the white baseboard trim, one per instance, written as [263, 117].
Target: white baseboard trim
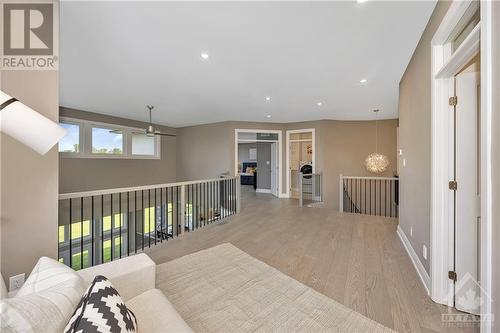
[422, 273]
[283, 196]
[262, 190]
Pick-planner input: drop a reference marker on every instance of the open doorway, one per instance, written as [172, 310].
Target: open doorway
[257, 160]
[300, 157]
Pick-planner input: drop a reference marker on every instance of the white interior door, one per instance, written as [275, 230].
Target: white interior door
[274, 169]
[467, 207]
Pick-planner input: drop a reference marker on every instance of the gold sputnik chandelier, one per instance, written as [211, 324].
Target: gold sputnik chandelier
[376, 162]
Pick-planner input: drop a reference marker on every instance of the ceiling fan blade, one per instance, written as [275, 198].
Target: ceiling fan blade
[165, 134]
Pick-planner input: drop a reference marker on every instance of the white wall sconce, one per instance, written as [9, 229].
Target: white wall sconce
[28, 126]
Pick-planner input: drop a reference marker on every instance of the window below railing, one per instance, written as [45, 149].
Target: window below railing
[99, 226]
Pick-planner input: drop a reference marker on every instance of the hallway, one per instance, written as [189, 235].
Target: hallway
[357, 260]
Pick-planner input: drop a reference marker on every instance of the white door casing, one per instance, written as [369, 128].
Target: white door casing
[274, 169]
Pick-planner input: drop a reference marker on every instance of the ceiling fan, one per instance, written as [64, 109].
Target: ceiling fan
[150, 130]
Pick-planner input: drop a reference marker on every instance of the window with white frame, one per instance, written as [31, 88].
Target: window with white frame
[87, 139]
[143, 144]
[107, 141]
[71, 142]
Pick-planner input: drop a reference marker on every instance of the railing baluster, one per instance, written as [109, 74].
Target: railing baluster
[143, 217]
[135, 221]
[168, 210]
[370, 196]
[343, 195]
[155, 219]
[121, 220]
[169, 214]
[196, 208]
[102, 229]
[385, 197]
[380, 197]
[112, 226]
[356, 192]
[174, 211]
[178, 211]
[161, 215]
[198, 205]
[233, 190]
[226, 190]
[349, 192]
[390, 197]
[217, 197]
[364, 211]
[189, 207]
[70, 233]
[149, 217]
[81, 233]
[128, 223]
[92, 234]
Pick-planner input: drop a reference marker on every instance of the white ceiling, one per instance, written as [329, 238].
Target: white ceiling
[116, 57]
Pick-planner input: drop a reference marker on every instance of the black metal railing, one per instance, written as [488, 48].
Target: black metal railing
[369, 195]
[310, 188]
[100, 226]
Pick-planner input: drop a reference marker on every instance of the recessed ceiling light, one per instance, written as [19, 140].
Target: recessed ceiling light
[363, 81]
[319, 103]
[204, 55]
[268, 116]
[268, 98]
[361, 1]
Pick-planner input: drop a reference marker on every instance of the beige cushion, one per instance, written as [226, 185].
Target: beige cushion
[45, 311]
[131, 276]
[155, 313]
[49, 273]
[46, 301]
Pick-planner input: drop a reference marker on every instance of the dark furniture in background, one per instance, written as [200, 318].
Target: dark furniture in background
[247, 179]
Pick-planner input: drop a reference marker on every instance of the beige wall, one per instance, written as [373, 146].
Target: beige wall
[344, 145]
[84, 174]
[415, 139]
[205, 151]
[29, 181]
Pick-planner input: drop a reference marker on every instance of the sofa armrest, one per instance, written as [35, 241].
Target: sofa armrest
[131, 276]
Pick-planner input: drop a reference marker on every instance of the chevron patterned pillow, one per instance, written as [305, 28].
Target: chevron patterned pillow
[100, 310]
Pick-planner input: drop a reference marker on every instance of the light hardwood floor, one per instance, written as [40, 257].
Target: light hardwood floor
[357, 260]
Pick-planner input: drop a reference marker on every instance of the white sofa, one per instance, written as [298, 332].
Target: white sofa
[134, 278]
